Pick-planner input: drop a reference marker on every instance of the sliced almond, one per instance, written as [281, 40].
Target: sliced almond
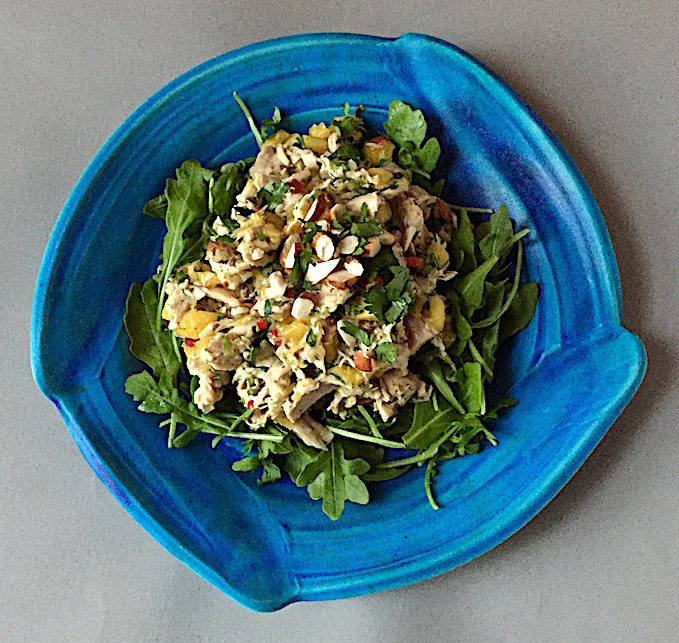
[301, 308]
[318, 272]
[372, 247]
[347, 245]
[323, 246]
[342, 279]
[289, 251]
[363, 363]
[353, 266]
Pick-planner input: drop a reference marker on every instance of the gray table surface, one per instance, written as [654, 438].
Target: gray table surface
[599, 563]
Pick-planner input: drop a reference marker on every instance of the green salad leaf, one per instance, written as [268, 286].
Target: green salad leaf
[486, 304]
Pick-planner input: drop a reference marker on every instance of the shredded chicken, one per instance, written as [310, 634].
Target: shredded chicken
[281, 304]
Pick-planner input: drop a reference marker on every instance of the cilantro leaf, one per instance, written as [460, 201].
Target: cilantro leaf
[387, 352]
[272, 194]
[225, 188]
[376, 301]
[353, 330]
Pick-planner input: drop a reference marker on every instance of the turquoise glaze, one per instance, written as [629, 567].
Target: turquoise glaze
[573, 369]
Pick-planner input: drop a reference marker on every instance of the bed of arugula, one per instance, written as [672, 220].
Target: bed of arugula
[487, 301]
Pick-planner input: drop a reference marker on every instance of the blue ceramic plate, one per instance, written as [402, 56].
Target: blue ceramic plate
[573, 369]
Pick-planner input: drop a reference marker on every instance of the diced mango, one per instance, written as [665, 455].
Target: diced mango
[320, 130]
[194, 351]
[273, 232]
[380, 176]
[193, 322]
[352, 376]
[435, 317]
[316, 145]
[293, 227]
[200, 273]
[440, 253]
[293, 332]
[376, 152]
[279, 136]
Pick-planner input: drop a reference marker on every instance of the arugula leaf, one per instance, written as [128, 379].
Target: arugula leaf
[429, 425]
[470, 287]
[330, 476]
[156, 348]
[143, 388]
[156, 207]
[387, 352]
[470, 386]
[407, 128]
[499, 235]
[520, 311]
[353, 330]
[186, 201]
[461, 244]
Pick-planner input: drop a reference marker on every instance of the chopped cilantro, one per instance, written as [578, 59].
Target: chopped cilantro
[267, 309]
[311, 338]
[387, 352]
[361, 335]
[272, 194]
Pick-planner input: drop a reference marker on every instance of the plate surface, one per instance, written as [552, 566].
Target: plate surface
[573, 369]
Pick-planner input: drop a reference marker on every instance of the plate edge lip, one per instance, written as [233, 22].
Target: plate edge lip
[108, 148]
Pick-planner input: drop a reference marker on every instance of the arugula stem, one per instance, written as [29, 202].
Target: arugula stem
[478, 357]
[367, 438]
[427, 482]
[246, 414]
[250, 120]
[371, 422]
[173, 430]
[423, 455]
[510, 296]
[433, 371]
[460, 208]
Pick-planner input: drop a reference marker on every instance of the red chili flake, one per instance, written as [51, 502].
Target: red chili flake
[190, 342]
[414, 262]
[296, 187]
[380, 140]
[262, 324]
[274, 332]
[251, 404]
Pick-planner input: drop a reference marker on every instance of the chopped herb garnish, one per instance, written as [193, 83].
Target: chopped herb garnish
[353, 330]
